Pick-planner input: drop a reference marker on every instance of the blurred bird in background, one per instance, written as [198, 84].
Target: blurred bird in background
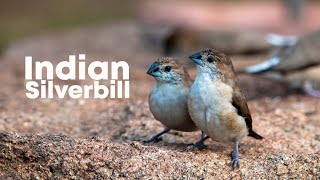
[186, 39]
[296, 61]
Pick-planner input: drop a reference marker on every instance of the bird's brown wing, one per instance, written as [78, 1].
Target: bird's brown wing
[239, 102]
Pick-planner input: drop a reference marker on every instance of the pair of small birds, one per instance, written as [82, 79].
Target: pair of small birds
[213, 103]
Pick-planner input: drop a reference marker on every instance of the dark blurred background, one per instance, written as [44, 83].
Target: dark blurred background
[23, 18]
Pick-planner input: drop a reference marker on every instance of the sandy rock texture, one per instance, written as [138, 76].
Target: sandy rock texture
[97, 139]
[57, 156]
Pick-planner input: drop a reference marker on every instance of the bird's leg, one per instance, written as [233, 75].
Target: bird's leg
[156, 138]
[235, 156]
[203, 135]
[199, 144]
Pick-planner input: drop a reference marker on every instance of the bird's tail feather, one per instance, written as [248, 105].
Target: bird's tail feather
[254, 135]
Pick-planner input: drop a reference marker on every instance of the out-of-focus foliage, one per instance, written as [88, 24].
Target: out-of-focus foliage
[20, 18]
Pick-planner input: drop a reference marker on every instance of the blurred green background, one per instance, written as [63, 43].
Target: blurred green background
[21, 18]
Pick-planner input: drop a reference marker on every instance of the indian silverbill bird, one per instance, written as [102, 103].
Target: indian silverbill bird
[169, 97]
[216, 103]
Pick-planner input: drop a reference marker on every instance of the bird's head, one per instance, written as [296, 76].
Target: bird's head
[168, 70]
[213, 62]
[211, 59]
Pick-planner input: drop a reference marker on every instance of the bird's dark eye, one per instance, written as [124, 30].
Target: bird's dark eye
[167, 68]
[210, 59]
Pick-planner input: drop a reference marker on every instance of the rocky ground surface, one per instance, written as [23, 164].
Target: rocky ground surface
[92, 138]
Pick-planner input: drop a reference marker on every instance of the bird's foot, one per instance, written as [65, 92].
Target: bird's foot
[199, 145]
[156, 138]
[196, 146]
[153, 140]
[234, 160]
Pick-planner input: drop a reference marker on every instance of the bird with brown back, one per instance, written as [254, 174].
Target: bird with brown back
[216, 103]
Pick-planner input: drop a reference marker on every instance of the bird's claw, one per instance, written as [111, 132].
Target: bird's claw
[198, 145]
[234, 160]
[153, 140]
[156, 138]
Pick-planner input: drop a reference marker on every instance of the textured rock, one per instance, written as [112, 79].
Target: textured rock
[56, 156]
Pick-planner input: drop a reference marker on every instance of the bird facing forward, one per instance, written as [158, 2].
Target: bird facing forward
[169, 96]
[216, 104]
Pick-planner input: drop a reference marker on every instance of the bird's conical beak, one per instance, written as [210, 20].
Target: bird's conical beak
[197, 58]
[154, 70]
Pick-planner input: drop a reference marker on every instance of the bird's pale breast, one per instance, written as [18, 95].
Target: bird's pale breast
[212, 111]
[168, 104]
